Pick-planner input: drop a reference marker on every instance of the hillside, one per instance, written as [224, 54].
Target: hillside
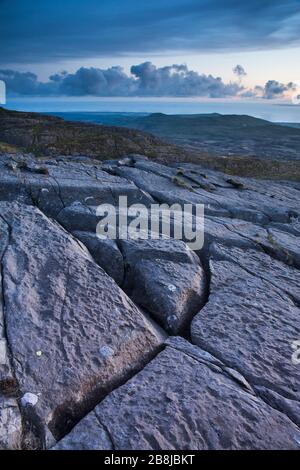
[52, 136]
[217, 134]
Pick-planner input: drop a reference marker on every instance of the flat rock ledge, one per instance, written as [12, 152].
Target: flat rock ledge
[185, 400]
[145, 344]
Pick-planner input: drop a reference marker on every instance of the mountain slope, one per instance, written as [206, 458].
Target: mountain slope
[52, 136]
[216, 134]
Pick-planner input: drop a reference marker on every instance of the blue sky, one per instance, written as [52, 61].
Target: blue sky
[210, 37]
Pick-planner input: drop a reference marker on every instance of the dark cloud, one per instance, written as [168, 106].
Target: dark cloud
[24, 83]
[95, 82]
[145, 80]
[274, 89]
[239, 71]
[178, 80]
[55, 30]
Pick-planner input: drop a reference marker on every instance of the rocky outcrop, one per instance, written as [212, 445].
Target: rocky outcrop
[78, 335]
[84, 359]
[252, 319]
[184, 399]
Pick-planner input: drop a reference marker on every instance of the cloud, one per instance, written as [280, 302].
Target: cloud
[239, 71]
[95, 82]
[145, 80]
[51, 30]
[271, 90]
[274, 89]
[178, 80]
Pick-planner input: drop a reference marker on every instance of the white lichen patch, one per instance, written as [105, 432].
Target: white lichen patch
[171, 287]
[106, 352]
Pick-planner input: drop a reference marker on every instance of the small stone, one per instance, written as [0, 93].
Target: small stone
[29, 399]
[39, 353]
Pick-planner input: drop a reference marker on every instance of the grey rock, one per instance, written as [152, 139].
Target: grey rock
[7, 379]
[60, 309]
[168, 249]
[78, 217]
[10, 424]
[166, 190]
[166, 278]
[250, 325]
[62, 184]
[162, 409]
[178, 185]
[88, 434]
[171, 292]
[105, 252]
[290, 408]
[281, 245]
[261, 265]
[69, 336]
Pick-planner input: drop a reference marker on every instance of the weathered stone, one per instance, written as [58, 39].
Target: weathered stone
[6, 373]
[61, 309]
[78, 217]
[281, 245]
[10, 424]
[105, 252]
[88, 434]
[69, 336]
[63, 184]
[250, 324]
[165, 190]
[178, 402]
[170, 185]
[261, 265]
[164, 249]
[166, 278]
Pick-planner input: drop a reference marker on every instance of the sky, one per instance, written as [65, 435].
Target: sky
[229, 49]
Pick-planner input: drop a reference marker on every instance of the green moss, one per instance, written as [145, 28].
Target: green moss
[182, 183]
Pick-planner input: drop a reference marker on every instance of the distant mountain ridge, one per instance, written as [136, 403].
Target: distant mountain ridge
[217, 134]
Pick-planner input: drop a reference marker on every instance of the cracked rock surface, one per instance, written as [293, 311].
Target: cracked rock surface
[85, 357]
[201, 408]
[73, 334]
